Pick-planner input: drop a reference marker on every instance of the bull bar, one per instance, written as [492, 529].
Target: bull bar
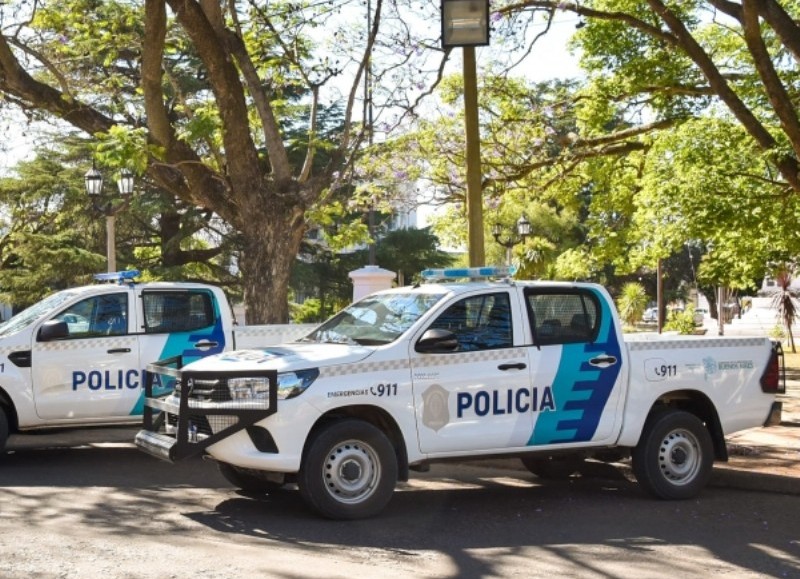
[198, 424]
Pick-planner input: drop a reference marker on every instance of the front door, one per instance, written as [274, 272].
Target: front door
[93, 374]
[477, 397]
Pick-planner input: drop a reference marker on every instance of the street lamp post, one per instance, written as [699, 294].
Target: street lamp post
[523, 230]
[465, 23]
[93, 181]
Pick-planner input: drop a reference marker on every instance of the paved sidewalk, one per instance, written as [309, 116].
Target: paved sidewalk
[767, 459]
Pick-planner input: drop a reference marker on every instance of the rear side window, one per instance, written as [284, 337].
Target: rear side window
[177, 311]
[563, 317]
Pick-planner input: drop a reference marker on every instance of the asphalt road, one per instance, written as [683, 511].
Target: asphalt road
[113, 512]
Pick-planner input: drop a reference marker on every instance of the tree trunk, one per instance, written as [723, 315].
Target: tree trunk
[270, 241]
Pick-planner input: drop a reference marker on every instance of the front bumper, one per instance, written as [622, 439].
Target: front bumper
[186, 422]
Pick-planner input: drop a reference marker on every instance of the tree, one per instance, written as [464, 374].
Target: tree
[198, 94]
[321, 274]
[53, 236]
[524, 125]
[784, 302]
[692, 106]
[408, 251]
[631, 303]
[677, 58]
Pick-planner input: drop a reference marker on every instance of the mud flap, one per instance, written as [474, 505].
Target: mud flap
[205, 412]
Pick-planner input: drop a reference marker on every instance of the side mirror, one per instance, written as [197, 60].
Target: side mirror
[436, 341]
[53, 330]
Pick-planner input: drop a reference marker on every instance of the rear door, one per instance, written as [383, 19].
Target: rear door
[185, 322]
[178, 322]
[576, 365]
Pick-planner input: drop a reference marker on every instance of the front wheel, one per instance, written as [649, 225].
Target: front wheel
[349, 470]
[675, 455]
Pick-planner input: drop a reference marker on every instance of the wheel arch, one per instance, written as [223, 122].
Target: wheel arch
[7, 406]
[699, 404]
[376, 416]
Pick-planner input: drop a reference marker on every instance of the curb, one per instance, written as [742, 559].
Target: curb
[723, 475]
[763, 482]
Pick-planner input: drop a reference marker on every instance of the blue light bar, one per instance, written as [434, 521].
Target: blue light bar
[468, 272]
[118, 276]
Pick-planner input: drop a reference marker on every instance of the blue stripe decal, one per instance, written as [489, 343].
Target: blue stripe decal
[183, 343]
[581, 390]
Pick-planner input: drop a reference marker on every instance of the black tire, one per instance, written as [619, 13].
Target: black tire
[675, 455]
[249, 480]
[349, 470]
[3, 428]
[553, 467]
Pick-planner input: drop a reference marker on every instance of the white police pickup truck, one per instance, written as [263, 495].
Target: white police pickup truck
[76, 358]
[412, 375]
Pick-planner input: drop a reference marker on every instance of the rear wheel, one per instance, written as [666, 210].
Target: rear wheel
[349, 470]
[675, 455]
[249, 480]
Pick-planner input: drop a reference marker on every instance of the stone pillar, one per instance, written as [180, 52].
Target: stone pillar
[370, 278]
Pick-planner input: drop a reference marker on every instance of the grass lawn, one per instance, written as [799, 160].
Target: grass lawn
[792, 359]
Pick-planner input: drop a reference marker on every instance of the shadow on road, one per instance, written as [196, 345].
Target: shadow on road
[563, 521]
[482, 520]
[122, 467]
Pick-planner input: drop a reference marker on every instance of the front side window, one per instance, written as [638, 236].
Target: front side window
[563, 317]
[105, 315]
[479, 323]
[177, 311]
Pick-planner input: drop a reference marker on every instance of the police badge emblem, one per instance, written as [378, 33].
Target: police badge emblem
[435, 414]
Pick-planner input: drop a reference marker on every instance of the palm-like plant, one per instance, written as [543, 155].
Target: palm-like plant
[631, 303]
[784, 301]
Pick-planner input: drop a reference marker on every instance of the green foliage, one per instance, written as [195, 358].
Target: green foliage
[631, 303]
[408, 251]
[681, 321]
[54, 237]
[309, 311]
[125, 148]
[525, 127]
[43, 263]
[322, 275]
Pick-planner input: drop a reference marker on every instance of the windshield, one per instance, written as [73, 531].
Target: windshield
[375, 320]
[33, 313]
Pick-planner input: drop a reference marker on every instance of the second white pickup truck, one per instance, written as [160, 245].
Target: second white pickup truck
[76, 359]
[412, 375]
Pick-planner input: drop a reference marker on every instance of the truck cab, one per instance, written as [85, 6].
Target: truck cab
[76, 358]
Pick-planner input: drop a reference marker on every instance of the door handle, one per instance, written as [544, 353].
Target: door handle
[603, 361]
[206, 344]
[118, 351]
[517, 366]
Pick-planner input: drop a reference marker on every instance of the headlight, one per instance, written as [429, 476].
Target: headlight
[291, 384]
[248, 388]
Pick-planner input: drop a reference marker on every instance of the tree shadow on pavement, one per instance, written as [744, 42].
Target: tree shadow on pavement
[560, 526]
